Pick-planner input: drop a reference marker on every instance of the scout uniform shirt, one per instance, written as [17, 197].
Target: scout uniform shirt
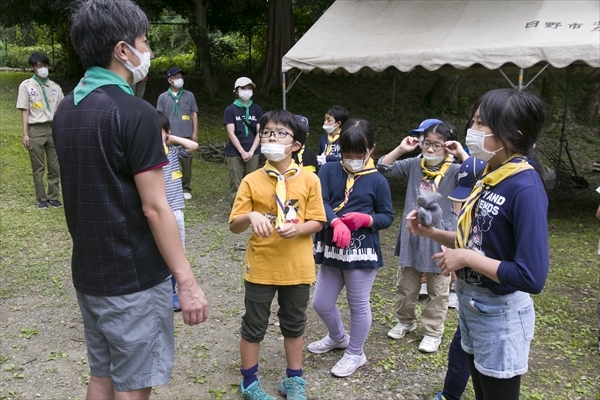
[31, 97]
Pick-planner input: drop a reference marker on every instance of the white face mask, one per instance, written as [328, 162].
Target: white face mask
[433, 160]
[274, 151]
[141, 70]
[245, 95]
[42, 72]
[475, 142]
[178, 83]
[354, 165]
[329, 128]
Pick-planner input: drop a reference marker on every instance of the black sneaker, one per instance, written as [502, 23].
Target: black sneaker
[55, 203]
[42, 205]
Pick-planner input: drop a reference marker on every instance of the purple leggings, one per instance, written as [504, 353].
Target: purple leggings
[358, 284]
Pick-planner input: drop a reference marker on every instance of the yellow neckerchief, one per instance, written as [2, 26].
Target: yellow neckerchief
[300, 152]
[281, 189]
[330, 141]
[436, 175]
[352, 176]
[515, 164]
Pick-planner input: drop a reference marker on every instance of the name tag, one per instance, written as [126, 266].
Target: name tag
[185, 117]
[38, 104]
[176, 175]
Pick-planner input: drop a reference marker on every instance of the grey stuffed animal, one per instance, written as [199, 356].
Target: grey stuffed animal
[429, 211]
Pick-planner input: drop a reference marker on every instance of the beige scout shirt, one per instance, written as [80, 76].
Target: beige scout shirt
[31, 98]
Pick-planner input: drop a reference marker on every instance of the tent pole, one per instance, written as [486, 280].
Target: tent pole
[520, 87]
[283, 89]
[507, 78]
[393, 104]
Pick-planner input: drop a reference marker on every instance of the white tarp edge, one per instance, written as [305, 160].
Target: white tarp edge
[405, 34]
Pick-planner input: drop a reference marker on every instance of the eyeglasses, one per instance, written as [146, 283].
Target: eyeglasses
[436, 146]
[276, 134]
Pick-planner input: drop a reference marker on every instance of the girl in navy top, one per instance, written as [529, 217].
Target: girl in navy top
[500, 249]
[358, 204]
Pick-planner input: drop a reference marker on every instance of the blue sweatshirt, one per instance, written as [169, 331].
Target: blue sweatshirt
[511, 225]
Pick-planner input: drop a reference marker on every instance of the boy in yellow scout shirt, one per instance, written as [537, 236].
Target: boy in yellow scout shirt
[283, 203]
[38, 99]
[180, 106]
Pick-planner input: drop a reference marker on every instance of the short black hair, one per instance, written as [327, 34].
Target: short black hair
[38, 57]
[357, 136]
[339, 113]
[164, 122]
[288, 120]
[98, 25]
[516, 118]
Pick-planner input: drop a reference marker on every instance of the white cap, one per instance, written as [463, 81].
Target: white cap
[243, 81]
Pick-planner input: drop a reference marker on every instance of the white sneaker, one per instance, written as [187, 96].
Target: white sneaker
[452, 300]
[429, 344]
[348, 364]
[326, 344]
[423, 290]
[400, 330]
[187, 196]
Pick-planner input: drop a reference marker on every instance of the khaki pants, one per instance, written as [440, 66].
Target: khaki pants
[238, 169]
[433, 315]
[42, 151]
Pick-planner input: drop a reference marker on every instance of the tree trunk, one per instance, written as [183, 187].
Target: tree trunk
[280, 38]
[444, 92]
[549, 93]
[203, 46]
[74, 67]
[589, 111]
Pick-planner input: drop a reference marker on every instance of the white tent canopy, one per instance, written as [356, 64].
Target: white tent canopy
[406, 34]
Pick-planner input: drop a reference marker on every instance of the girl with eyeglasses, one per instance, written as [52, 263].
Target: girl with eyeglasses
[431, 175]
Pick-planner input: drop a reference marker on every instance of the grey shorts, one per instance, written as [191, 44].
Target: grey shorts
[130, 338]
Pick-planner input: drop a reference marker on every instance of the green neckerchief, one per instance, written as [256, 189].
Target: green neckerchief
[176, 98]
[239, 103]
[42, 83]
[96, 77]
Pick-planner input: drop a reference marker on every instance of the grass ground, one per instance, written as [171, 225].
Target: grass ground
[564, 363]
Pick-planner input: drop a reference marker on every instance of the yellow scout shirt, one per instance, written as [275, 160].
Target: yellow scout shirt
[31, 98]
[273, 260]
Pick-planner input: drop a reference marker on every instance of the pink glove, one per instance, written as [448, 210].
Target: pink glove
[341, 234]
[355, 220]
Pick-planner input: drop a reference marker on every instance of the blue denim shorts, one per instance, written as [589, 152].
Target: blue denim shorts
[130, 338]
[496, 329]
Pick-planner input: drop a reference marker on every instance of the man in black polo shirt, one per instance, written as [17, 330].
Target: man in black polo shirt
[125, 238]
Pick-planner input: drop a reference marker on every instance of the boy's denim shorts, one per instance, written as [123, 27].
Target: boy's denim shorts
[130, 338]
[496, 329]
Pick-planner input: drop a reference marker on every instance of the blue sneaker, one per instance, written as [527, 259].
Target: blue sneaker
[176, 305]
[439, 396]
[293, 388]
[255, 392]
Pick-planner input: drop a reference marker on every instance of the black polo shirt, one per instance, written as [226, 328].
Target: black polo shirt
[101, 144]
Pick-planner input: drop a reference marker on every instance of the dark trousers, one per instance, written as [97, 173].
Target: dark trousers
[186, 173]
[458, 370]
